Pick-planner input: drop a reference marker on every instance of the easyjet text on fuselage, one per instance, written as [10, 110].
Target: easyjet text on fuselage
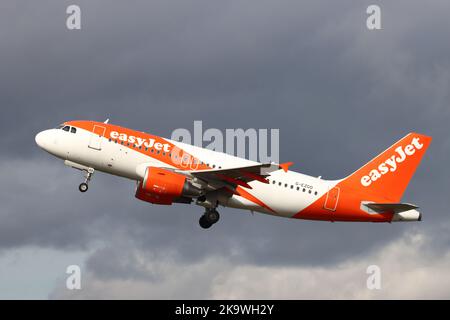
[140, 142]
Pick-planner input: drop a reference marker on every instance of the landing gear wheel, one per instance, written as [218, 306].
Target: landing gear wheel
[212, 216]
[83, 187]
[88, 175]
[204, 223]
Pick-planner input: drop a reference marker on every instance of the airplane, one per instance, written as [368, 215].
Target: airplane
[168, 172]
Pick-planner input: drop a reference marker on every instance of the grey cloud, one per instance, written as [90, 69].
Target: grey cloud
[409, 269]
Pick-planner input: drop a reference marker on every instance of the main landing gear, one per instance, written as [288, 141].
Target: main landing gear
[210, 217]
[83, 187]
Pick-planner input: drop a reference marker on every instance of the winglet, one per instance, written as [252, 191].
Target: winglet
[285, 166]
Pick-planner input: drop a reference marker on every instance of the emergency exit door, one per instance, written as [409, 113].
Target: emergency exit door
[332, 199]
[96, 138]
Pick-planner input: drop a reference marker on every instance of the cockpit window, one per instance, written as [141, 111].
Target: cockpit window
[73, 130]
[66, 128]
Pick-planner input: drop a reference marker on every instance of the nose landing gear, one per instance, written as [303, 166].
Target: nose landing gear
[83, 187]
[210, 217]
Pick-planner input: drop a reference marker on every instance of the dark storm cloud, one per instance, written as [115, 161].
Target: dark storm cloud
[339, 94]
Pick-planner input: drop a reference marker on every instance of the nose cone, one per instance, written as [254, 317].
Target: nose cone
[46, 140]
[40, 139]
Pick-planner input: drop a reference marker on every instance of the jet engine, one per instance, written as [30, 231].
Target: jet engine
[161, 186]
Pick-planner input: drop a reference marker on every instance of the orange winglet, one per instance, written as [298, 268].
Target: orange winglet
[233, 180]
[285, 166]
[254, 176]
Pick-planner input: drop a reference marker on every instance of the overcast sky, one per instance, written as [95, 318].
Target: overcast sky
[338, 93]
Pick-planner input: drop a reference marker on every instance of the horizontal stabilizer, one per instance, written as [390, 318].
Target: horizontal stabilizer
[400, 211]
[394, 207]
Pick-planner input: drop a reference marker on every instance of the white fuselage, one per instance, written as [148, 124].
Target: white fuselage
[287, 193]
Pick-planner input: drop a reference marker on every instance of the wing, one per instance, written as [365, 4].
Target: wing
[233, 177]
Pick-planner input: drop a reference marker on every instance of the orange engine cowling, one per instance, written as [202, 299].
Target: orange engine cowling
[162, 186]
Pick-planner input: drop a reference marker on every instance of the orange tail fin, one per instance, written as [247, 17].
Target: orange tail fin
[388, 174]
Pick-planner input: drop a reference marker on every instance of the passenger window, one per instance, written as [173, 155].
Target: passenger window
[292, 187]
[298, 188]
[279, 183]
[73, 130]
[315, 193]
[66, 128]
